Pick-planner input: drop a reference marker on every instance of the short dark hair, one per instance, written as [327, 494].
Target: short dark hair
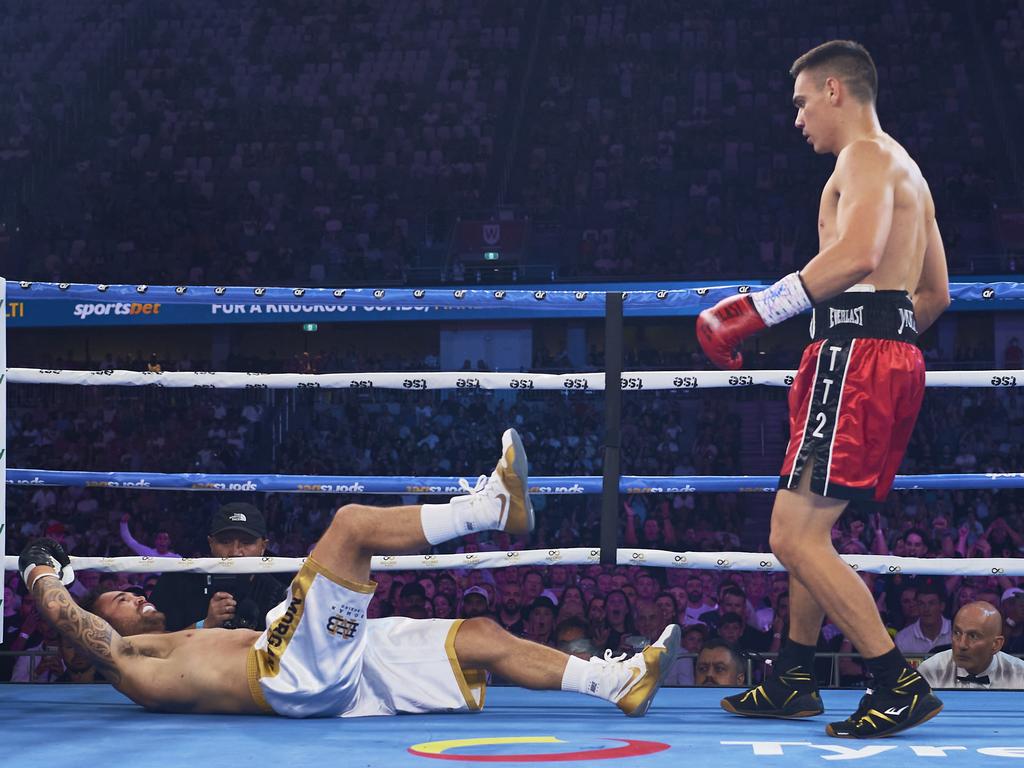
[675, 605]
[88, 601]
[730, 618]
[90, 598]
[717, 642]
[847, 60]
[413, 589]
[932, 588]
[925, 538]
[735, 592]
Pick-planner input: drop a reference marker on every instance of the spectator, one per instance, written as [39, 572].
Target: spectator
[730, 628]
[720, 665]
[597, 622]
[1005, 542]
[445, 585]
[932, 630]
[78, 666]
[540, 621]
[667, 607]
[697, 602]
[572, 596]
[780, 622]
[442, 607]
[1012, 606]
[533, 585]
[45, 665]
[475, 602]
[916, 543]
[412, 601]
[619, 617]
[909, 609]
[656, 532]
[161, 542]
[510, 614]
[694, 638]
[648, 620]
[734, 601]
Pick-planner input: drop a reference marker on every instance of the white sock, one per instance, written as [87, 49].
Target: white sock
[576, 675]
[461, 516]
[438, 523]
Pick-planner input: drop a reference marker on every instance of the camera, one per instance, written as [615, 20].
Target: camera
[246, 610]
[224, 583]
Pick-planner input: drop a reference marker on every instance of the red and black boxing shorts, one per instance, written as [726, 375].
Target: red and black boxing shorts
[856, 396]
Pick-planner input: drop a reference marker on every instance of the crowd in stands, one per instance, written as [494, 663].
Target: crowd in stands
[665, 132]
[332, 144]
[587, 609]
[339, 144]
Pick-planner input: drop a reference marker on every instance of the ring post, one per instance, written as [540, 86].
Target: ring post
[612, 426]
[3, 434]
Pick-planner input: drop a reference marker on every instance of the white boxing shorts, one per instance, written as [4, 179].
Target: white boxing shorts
[321, 657]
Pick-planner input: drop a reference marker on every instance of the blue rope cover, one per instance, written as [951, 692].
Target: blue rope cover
[571, 301]
[428, 485]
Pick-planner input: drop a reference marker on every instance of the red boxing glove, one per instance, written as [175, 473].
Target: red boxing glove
[721, 329]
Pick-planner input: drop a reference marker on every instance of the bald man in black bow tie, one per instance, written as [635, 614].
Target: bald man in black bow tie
[976, 659]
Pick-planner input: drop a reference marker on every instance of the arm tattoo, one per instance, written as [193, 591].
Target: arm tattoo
[88, 631]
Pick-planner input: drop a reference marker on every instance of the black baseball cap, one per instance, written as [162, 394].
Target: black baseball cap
[239, 516]
[541, 601]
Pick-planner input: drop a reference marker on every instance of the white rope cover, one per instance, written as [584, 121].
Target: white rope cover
[565, 382]
[706, 561]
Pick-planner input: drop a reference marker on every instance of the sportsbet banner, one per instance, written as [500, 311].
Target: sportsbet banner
[68, 305]
[35, 313]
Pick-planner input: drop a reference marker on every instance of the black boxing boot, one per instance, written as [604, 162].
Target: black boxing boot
[885, 711]
[790, 693]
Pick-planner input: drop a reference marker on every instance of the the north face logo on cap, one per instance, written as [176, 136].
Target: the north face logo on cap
[238, 517]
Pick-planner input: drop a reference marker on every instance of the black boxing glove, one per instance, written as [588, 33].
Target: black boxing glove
[45, 552]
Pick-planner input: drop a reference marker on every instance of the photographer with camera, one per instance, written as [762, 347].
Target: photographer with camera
[229, 600]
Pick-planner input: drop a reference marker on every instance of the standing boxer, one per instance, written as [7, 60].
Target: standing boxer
[878, 280]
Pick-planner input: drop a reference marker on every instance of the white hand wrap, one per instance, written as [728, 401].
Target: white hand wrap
[66, 574]
[37, 578]
[781, 301]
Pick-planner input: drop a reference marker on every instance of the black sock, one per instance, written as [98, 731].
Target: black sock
[794, 654]
[886, 669]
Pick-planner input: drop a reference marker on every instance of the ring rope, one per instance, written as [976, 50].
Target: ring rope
[468, 380]
[720, 561]
[571, 485]
[571, 301]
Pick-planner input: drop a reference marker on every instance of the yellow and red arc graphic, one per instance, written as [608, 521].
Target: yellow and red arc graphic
[439, 750]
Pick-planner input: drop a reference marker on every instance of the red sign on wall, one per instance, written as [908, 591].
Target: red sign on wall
[474, 238]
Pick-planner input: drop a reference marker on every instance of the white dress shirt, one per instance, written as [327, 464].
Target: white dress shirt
[912, 640]
[1005, 671]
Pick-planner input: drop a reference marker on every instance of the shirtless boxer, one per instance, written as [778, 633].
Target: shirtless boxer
[878, 280]
[320, 656]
